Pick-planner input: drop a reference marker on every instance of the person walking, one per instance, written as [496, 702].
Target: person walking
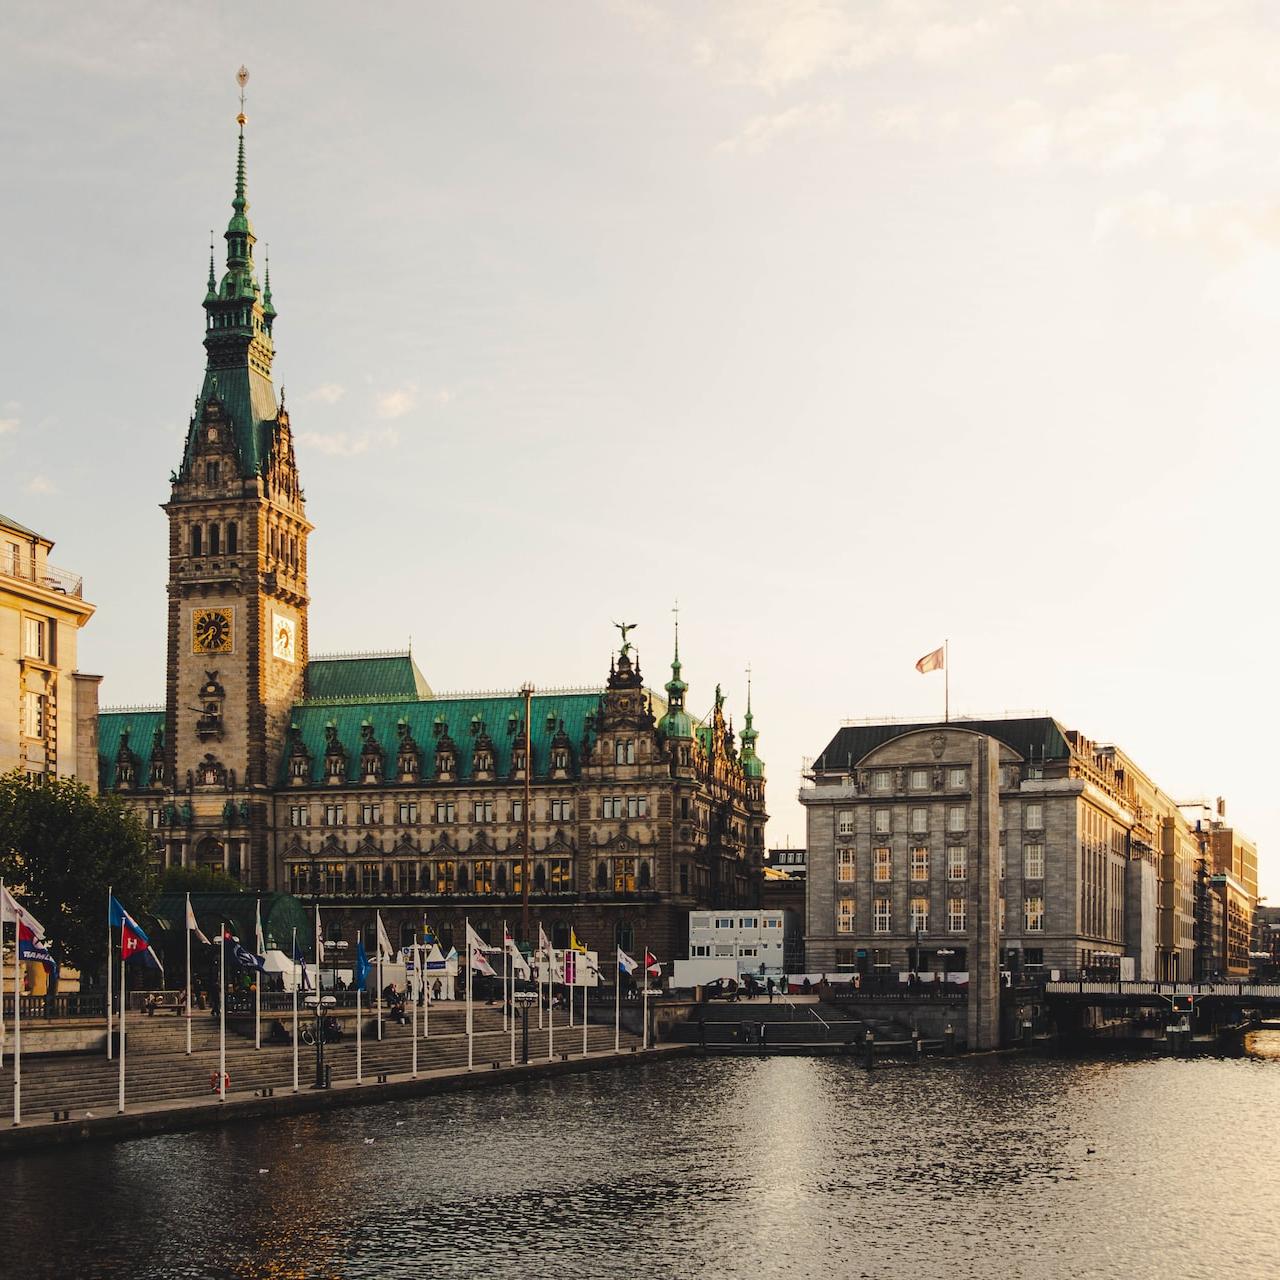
[768, 986]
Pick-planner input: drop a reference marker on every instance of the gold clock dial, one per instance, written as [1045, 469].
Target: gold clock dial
[283, 637]
[212, 631]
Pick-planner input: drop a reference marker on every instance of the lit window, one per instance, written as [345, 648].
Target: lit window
[845, 915]
[919, 915]
[957, 862]
[883, 864]
[955, 915]
[919, 863]
[1033, 914]
[845, 865]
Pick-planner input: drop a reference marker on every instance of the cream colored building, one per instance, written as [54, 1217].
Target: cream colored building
[48, 709]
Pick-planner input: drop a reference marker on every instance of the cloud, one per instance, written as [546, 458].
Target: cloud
[350, 444]
[395, 404]
[7, 425]
[1227, 231]
[1023, 133]
[764, 130]
[39, 484]
[327, 393]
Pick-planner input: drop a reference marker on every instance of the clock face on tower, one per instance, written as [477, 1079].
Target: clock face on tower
[212, 631]
[283, 637]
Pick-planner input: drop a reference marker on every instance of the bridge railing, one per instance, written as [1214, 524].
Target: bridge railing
[1233, 990]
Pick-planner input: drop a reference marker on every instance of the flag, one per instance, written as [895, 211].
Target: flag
[33, 948]
[193, 926]
[571, 968]
[428, 935]
[544, 944]
[259, 942]
[625, 963]
[245, 959]
[479, 963]
[385, 949]
[574, 944]
[931, 661]
[477, 943]
[133, 941]
[651, 965]
[301, 960]
[12, 909]
[518, 962]
[362, 966]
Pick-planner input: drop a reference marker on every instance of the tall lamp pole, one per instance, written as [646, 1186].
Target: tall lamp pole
[527, 869]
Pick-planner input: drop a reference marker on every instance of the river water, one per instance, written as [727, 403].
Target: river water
[796, 1167]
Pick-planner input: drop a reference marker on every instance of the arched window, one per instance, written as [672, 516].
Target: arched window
[625, 935]
[197, 540]
[602, 876]
[559, 936]
[214, 539]
[540, 877]
[500, 878]
[351, 878]
[233, 536]
[644, 878]
[464, 878]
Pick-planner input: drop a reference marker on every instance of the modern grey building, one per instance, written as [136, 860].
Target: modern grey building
[1093, 861]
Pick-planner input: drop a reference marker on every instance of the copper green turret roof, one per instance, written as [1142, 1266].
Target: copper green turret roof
[676, 723]
[752, 765]
[238, 341]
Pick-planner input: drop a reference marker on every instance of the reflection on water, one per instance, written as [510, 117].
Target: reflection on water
[719, 1167]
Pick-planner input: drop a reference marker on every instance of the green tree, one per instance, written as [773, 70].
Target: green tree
[198, 880]
[61, 848]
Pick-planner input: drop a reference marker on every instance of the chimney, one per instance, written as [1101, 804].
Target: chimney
[1222, 806]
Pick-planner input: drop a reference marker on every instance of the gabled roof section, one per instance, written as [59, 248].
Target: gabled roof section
[7, 523]
[366, 675]
[500, 714]
[1033, 738]
[142, 723]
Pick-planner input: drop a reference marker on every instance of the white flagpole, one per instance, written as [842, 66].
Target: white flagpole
[511, 997]
[584, 1004]
[108, 971]
[505, 961]
[188, 1009]
[568, 986]
[222, 1013]
[359, 1036]
[417, 982]
[617, 1002]
[122, 1004]
[644, 1041]
[470, 1037]
[539, 983]
[294, 957]
[551, 1005]
[257, 980]
[377, 938]
[17, 1030]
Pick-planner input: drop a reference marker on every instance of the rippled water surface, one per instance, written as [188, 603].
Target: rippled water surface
[718, 1167]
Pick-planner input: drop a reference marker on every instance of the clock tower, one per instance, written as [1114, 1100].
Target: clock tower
[238, 530]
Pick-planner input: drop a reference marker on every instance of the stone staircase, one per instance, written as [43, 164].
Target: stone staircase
[158, 1069]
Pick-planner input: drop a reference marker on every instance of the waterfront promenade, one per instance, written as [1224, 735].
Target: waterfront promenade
[167, 1090]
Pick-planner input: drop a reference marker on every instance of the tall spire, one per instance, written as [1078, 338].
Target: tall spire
[676, 687]
[752, 765]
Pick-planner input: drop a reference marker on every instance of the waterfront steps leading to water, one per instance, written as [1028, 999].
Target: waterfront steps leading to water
[158, 1069]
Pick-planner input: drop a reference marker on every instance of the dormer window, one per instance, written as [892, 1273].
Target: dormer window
[211, 472]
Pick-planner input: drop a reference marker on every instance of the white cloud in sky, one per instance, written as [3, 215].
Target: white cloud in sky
[349, 444]
[1225, 231]
[327, 393]
[7, 425]
[395, 404]
[805, 118]
[40, 484]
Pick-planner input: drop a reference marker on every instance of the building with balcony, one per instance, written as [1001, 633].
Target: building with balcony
[48, 709]
[1092, 860]
[349, 779]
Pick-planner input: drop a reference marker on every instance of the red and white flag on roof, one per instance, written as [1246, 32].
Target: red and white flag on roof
[934, 661]
[651, 964]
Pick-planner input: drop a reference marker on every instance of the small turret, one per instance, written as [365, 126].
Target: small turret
[676, 723]
[752, 765]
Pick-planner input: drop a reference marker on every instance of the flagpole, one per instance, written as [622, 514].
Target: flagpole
[617, 1002]
[17, 1028]
[551, 1005]
[188, 1009]
[294, 955]
[257, 981]
[584, 1004]
[505, 959]
[417, 977]
[359, 1040]
[377, 938]
[108, 972]
[644, 1012]
[466, 920]
[539, 984]
[122, 1004]
[222, 1013]
[511, 997]
[2, 1022]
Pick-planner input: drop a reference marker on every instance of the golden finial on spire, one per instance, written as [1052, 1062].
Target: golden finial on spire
[242, 77]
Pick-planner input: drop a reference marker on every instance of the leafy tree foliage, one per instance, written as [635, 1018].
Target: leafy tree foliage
[198, 880]
[61, 848]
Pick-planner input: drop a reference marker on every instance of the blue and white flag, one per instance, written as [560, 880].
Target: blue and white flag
[301, 961]
[245, 959]
[362, 966]
[625, 963]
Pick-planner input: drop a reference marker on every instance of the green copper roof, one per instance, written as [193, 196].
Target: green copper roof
[388, 675]
[142, 726]
[500, 715]
[677, 723]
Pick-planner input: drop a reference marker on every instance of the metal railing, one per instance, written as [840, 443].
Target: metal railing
[48, 576]
[70, 1004]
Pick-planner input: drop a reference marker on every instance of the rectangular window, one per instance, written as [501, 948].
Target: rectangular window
[1001, 914]
[919, 863]
[482, 811]
[408, 813]
[1033, 914]
[517, 811]
[957, 817]
[955, 915]
[370, 877]
[920, 915]
[370, 815]
[624, 751]
[624, 875]
[211, 470]
[482, 882]
[611, 807]
[446, 811]
[724, 922]
[444, 876]
[1033, 817]
[884, 915]
[957, 862]
[1033, 862]
[883, 822]
[1001, 808]
[882, 780]
[684, 879]
[845, 915]
[562, 811]
[561, 875]
[335, 875]
[33, 714]
[299, 815]
[406, 877]
[844, 822]
[637, 806]
[958, 779]
[1002, 857]
[845, 865]
[919, 821]
[33, 637]
[919, 779]
[335, 815]
[883, 863]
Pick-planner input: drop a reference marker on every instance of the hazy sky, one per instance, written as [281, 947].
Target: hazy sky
[853, 326]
